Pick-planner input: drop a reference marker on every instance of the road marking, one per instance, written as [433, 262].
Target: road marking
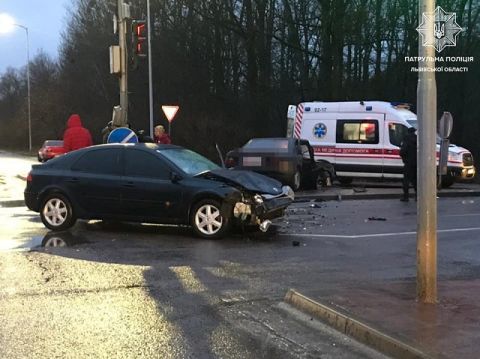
[377, 234]
[459, 215]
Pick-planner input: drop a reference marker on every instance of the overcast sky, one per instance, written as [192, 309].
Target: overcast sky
[45, 20]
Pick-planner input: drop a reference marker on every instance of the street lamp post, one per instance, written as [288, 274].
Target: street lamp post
[28, 88]
[7, 24]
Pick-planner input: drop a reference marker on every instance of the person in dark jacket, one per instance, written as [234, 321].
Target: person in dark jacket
[161, 136]
[76, 136]
[408, 152]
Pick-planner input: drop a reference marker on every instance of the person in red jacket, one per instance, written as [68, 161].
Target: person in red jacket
[76, 136]
[161, 136]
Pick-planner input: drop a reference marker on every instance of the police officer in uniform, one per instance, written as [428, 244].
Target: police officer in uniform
[408, 152]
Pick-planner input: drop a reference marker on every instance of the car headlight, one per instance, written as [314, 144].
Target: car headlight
[258, 199]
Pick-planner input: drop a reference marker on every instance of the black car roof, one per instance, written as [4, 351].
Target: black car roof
[147, 145]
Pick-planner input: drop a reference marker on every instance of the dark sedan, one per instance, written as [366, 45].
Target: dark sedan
[288, 160]
[151, 183]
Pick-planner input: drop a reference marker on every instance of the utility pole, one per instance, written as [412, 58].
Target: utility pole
[123, 15]
[427, 194]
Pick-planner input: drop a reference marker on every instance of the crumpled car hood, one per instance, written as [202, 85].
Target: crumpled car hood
[249, 180]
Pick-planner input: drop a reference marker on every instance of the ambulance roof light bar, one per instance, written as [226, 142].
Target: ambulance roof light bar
[403, 105]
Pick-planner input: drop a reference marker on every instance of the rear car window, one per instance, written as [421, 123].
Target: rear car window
[101, 161]
[267, 145]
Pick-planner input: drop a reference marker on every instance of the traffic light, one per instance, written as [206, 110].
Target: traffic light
[139, 38]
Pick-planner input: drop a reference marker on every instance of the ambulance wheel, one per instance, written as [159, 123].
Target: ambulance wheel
[345, 180]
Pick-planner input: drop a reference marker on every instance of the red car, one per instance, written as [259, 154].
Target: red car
[50, 149]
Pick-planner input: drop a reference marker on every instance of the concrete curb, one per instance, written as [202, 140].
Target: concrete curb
[354, 328]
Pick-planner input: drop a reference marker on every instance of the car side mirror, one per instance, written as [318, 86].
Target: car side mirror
[174, 177]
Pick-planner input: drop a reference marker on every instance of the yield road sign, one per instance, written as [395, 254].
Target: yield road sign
[122, 135]
[170, 112]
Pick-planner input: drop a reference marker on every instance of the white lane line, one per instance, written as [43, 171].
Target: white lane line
[377, 234]
[459, 215]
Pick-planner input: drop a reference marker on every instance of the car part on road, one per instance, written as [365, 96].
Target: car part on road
[265, 225]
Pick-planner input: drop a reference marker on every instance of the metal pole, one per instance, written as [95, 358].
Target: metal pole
[150, 84]
[122, 28]
[427, 200]
[28, 89]
[170, 129]
[28, 94]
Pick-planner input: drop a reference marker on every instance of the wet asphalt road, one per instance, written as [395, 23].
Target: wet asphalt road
[124, 290]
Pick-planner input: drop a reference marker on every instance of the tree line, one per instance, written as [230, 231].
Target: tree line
[234, 66]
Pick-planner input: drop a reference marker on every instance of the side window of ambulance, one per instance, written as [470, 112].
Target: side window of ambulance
[396, 132]
[357, 131]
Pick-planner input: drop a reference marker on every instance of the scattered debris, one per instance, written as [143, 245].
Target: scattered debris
[376, 219]
[314, 205]
[359, 189]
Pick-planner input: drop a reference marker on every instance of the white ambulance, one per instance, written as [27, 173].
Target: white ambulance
[362, 138]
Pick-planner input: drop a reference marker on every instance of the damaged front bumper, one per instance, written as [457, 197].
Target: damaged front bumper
[262, 208]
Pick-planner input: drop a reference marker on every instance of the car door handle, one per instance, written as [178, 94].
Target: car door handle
[128, 184]
[73, 180]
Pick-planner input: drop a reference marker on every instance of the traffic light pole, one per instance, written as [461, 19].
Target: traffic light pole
[427, 195]
[150, 84]
[122, 121]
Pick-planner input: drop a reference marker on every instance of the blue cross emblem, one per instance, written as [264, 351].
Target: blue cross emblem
[320, 130]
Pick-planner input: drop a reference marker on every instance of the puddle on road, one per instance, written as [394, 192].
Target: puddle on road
[51, 239]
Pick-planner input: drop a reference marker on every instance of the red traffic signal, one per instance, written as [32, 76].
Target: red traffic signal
[139, 37]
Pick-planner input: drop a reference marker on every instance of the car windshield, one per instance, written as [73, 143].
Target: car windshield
[267, 144]
[188, 161]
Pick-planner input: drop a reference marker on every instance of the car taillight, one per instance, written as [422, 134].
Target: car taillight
[29, 177]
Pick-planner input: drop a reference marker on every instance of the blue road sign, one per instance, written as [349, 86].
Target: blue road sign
[122, 135]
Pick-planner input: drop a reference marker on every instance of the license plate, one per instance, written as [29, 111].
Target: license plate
[252, 161]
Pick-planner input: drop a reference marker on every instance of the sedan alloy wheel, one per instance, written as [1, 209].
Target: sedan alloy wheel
[207, 220]
[56, 212]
